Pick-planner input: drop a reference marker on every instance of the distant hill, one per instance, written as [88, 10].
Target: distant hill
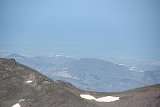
[90, 73]
[21, 86]
[101, 75]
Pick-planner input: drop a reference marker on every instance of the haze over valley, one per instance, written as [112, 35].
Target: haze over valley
[94, 74]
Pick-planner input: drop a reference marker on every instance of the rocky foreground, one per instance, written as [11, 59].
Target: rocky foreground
[21, 86]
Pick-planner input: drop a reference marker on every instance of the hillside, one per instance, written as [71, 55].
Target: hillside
[90, 74]
[21, 82]
[21, 86]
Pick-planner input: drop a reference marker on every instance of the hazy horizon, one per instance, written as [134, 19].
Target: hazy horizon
[90, 28]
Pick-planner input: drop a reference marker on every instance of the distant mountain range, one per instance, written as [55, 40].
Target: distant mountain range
[91, 73]
[136, 64]
[21, 86]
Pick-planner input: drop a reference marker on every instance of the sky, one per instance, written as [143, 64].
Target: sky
[88, 28]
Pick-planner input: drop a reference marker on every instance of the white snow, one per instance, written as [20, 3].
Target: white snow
[131, 69]
[16, 105]
[29, 81]
[107, 99]
[21, 100]
[88, 97]
[101, 99]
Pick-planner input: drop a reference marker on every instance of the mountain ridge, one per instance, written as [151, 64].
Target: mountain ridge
[90, 73]
[26, 87]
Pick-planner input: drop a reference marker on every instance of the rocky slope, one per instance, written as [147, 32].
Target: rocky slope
[21, 86]
[18, 82]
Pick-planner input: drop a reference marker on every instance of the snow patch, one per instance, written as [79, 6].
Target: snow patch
[107, 99]
[29, 81]
[21, 100]
[101, 99]
[16, 105]
[88, 97]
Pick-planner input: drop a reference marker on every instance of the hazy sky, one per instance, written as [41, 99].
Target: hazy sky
[92, 28]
